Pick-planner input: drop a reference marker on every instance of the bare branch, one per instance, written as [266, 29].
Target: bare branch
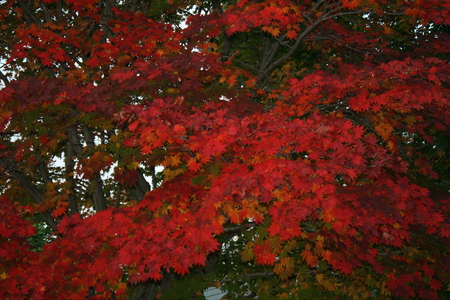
[98, 195]
[265, 71]
[74, 139]
[10, 166]
[141, 187]
[29, 15]
[47, 15]
[70, 163]
[4, 78]
[238, 228]
[261, 274]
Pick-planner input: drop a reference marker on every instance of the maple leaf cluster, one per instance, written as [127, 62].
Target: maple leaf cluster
[318, 165]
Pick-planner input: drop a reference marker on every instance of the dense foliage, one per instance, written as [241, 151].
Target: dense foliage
[304, 144]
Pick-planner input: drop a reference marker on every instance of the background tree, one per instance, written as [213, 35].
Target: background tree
[304, 145]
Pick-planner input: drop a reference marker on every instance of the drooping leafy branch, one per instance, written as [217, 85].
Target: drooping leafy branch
[304, 147]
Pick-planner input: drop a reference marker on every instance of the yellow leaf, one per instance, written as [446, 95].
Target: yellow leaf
[275, 31]
[133, 166]
[121, 286]
[319, 278]
[388, 30]
[160, 52]
[409, 120]
[384, 130]
[172, 161]
[390, 145]
[170, 174]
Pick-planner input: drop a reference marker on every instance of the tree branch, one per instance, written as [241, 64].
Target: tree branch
[107, 15]
[261, 274]
[29, 16]
[34, 192]
[4, 78]
[98, 194]
[70, 164]
[47, 15]
[74, 139]
[265, 71]
[141, 187]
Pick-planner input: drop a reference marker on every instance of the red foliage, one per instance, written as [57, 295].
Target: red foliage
[326, 161]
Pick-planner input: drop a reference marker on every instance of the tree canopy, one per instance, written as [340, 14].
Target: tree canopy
[304, 148]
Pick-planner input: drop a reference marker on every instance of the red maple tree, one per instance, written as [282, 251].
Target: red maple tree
[304, 146]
